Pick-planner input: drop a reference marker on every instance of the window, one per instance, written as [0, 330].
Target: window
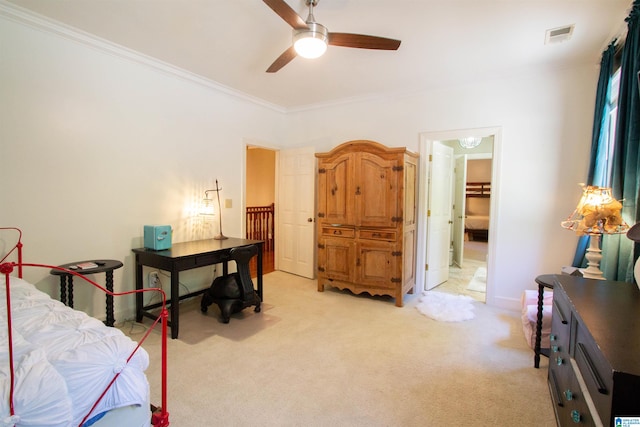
[604, 163]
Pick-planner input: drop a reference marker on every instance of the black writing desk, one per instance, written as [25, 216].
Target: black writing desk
[186, 256]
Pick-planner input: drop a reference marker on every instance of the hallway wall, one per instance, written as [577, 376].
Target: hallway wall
[261, 176]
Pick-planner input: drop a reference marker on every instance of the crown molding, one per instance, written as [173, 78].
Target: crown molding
[26, 17]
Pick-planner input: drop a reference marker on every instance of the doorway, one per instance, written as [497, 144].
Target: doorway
[473, 253]
[471, 217]
[471, 213]
[260, 171]
[283, 182]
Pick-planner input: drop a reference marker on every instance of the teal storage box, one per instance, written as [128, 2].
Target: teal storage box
[157, 237]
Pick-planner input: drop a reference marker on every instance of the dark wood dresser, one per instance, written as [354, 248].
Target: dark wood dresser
[594, 363]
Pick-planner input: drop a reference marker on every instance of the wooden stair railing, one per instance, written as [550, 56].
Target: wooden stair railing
[261, 224]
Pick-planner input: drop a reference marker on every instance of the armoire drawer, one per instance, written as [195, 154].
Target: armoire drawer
[386, 235]
[332, 231]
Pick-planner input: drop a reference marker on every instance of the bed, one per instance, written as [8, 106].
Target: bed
[476, 223]
[60, 367]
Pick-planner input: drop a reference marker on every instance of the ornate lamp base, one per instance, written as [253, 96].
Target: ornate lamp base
[593, 256]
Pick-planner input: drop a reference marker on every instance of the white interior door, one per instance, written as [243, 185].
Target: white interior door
[439, 215]
[459, 209]
[296, 227]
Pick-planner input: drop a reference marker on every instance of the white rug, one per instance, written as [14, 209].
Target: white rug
[446, 307]
[479, 281]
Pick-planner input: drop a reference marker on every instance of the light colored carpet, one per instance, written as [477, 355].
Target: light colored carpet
[478, 282]
[336, 359]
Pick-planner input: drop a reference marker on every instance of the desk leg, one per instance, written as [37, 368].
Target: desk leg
[109, 310]
[139, 299]
[259, 272]
[536, 357]
[175, 303]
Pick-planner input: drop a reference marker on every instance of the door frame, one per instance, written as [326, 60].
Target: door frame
[426, 140]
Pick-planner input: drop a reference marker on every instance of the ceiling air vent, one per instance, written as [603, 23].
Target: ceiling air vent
[557, 35]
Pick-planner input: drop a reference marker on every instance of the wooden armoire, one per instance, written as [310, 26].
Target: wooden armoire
[367, 219]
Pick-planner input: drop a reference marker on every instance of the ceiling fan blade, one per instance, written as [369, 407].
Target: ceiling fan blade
[362, 41]
[285, 12]
[286, 57]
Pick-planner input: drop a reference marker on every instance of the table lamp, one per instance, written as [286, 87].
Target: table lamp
[597, 213]
[208, 209]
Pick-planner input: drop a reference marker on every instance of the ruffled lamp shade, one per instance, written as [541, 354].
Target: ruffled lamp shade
[597, 213]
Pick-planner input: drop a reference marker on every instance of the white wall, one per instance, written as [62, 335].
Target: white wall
[479, 170]
[94, 146]
[545, 116]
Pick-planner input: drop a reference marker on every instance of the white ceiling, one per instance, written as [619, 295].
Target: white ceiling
[444, 42]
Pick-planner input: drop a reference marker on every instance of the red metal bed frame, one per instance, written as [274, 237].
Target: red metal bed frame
[160, 417]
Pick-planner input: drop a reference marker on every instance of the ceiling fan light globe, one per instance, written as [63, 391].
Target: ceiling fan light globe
[310, 47]
[311, 43]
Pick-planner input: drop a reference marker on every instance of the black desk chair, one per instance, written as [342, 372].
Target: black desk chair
[234, 292]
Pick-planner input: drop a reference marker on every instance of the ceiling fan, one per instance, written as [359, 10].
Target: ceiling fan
[310, 39]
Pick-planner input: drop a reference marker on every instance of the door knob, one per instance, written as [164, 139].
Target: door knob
[309, 219]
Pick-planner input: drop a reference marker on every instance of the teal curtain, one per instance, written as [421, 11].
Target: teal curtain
[620, 253]
[600, 118]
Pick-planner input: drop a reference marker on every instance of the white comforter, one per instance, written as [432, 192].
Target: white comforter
[63, 360]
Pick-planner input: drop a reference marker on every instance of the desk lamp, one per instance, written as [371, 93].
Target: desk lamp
[597, 213]
[208, 209]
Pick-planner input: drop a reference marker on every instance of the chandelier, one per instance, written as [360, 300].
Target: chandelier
[470, 142]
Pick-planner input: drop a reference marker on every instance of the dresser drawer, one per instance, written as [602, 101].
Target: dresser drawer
[558, 377]
[559, 360]
[331, 231]
[386, 235]
[562, 306]
[597, 374]
[568, 395]
[560, 325]
[576, 407]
